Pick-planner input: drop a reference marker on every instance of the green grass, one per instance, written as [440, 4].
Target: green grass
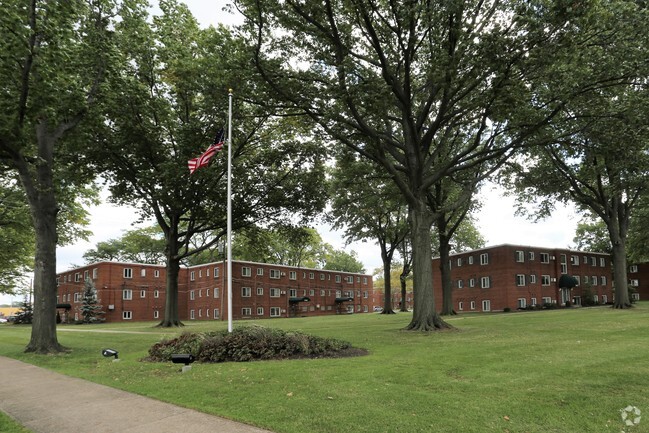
[8, 425]
[548, 371]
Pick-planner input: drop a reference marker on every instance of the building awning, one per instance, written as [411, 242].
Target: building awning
[64, 306]
[296, 300]
[340, 300]
[567, 282]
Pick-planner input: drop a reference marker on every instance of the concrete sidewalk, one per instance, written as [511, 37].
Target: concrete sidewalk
[48, 402]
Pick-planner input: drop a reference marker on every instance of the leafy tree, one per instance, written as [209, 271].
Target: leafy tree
[91, 310]
[368, 210]
[362, 71]
[53, 61]
[15, 230]
[601, 155]
[341, 260]
[638, 236]
[169, 100]
[591, 234]
[143, 245]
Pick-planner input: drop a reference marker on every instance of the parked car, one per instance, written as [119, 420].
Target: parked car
[3, 320]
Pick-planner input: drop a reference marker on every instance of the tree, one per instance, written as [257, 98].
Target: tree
[365, 76]
[25, 315]
[592, 235]
[368, 210]
[341, 260]
[91, 310]
[51, 70]
[600, 153]
[169, 99]
[15, 230]
[143, 245]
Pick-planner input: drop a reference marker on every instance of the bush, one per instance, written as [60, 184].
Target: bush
[507, 310]
[251, 343]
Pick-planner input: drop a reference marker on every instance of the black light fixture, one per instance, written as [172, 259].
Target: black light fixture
[182, 358]
[109, 352]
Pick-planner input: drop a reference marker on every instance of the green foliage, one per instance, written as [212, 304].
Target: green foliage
[250, 343]
[16, 230]
[145, 245]
[91, 310]
[592, 235]
[25, 314]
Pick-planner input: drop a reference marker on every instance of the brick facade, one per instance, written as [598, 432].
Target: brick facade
[131, 291]
[638, 275]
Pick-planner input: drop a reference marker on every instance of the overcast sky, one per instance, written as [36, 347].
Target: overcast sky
[496, 220]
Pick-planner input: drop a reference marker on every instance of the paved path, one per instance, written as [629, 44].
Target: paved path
[48, 402]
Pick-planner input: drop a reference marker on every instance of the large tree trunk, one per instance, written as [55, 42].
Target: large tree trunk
[445, 272]
[620, 276]
[424, 317]
[41, 196]
[387, 271]
[171, 317]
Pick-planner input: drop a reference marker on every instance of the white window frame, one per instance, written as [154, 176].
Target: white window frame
[522, 303]
[292, 275]
[274, 274]
[246, 292]
[520, 280]
[486, 305]
[246, 311]
[275, 293]
[545, 280]
[246, 271]
[260, 311]
[545, 257]
[275, 312]
[260, 272]
[127, 294]
[520, 256]
[127, 315]
[260, 291]
[484, 259]
[128, 273]
[485, 282]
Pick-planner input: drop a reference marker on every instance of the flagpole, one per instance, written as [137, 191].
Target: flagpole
[229, 234]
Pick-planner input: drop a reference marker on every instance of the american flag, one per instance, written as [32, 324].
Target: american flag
[204, 159]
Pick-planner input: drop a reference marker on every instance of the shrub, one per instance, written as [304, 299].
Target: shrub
[251, 343]
[507, 310]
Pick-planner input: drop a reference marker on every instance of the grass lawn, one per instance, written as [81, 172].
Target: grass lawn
[548, 371]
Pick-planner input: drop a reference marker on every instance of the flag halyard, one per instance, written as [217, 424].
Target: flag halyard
[196, 163]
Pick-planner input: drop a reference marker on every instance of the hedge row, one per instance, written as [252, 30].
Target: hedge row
[250, 343]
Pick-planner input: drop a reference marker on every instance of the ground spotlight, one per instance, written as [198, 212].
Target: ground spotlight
[183, 358]
[109, 352]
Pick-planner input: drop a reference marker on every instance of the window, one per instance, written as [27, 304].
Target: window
[484, 259]
[365, 280]
[472, 282]
[603, 280]
[292, 293]
[365, 295]
[142, 293]
[246, 311]
[472, 305]
[207, 274]
[586, 280]
[200, 275]
[520, 256]
[633, 269]
[156, 314]
[192, 276]
[593, 261]
[460, 284]
[192, 314]
[77, 277]
[128, 273]
[246, 292]
[520, 280]
[245, 271]
[530, 255]
[564, 264]
[533, 301]
[274, 273]
[260, 272]
[260, 291]
[593, 280]
[200, 295]
[207, 310]
[207, 293]
[200, 313]
[486, 305]
[127, 294]
[192, 295]
[459, 261]
[547, 300]
[143, 272]
[470, 260]
[634, 283]
[522, 302]
[635, 296]
[216, 292]
[604, 299]
[127, 315]
[216, 314]
[460, 306]
[574, 260]
[156, 293]
[545, 280]
[260, 311]
[274, 293]
[216, 272]
[275, 312]
[95, 273]
[322, 277]
[545, 257]
[338, 278]
[77, 297]
[485, 282]
[86, 275]
[311, 292]
[533, 279]
[350, 279]
[292, 275]
[311, 276]
[322, 292]
[156, 273]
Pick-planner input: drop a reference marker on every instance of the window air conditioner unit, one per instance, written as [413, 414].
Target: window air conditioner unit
[552, 258]
[553, 280]
[283, 292]
[283, 274]
[283, 310]
[111, 307]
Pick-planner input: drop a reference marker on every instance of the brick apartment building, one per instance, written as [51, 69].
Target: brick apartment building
[514, 276]
[134, 291]
[639, 280]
